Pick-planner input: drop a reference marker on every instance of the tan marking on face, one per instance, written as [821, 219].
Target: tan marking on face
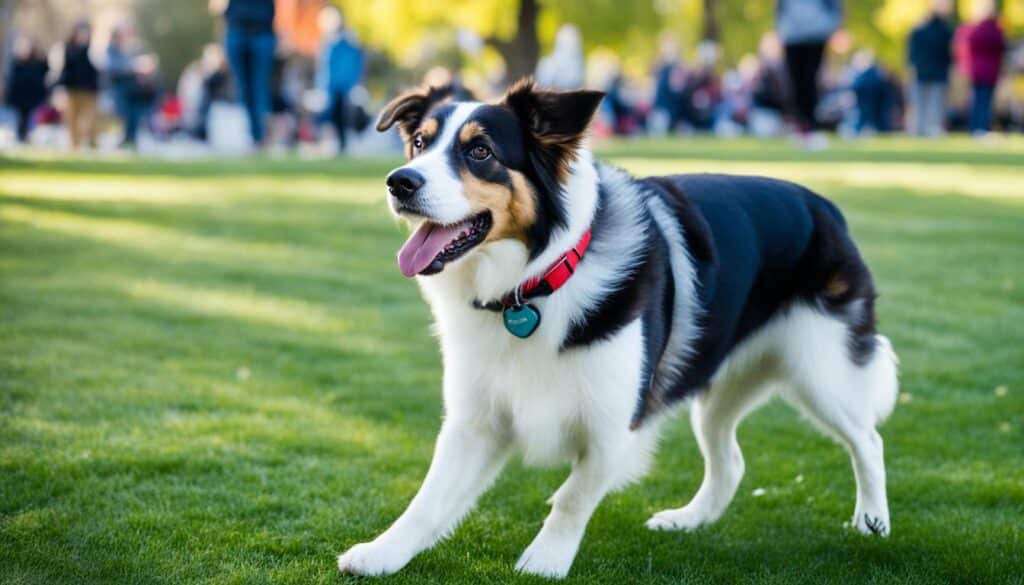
[512, 209]
[428, 130]
[524, 204]
[565, 150]
[469, 131]
[837, 286]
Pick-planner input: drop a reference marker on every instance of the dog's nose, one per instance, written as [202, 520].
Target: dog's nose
[403, 183]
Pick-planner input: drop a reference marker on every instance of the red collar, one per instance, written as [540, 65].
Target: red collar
[554, 278]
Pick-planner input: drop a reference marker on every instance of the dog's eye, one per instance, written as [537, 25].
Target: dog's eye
[479, 153]
[417, 144]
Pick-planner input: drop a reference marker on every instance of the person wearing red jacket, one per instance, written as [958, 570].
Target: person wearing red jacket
[980, 46]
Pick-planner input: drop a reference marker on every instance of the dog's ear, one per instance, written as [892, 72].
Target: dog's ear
[408, 109]
[553, 117]
[556, 121]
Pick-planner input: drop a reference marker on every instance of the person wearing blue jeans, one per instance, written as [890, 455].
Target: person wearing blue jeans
[930, 56]
[980, 120]
[250, 43]
[120, 77]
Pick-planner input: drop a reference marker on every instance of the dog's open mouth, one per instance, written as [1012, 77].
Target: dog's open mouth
[433, 245]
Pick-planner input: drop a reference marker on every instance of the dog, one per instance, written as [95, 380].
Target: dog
[578, 306]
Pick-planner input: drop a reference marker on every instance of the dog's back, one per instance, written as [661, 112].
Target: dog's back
[760, 245]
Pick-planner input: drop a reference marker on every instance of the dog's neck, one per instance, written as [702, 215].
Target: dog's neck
[503, 265]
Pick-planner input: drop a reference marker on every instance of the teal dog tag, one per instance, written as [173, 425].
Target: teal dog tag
[521, 320]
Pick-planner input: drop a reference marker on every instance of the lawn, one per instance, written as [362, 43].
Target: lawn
[213, 372]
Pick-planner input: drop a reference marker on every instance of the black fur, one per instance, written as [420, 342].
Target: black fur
[647, 284]
[758, 246]
[409, 109]
[513, 149]
[551, 126]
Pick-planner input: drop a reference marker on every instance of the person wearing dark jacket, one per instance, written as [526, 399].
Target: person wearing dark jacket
[26, 83]
[930, 54]
[250, 43]
[979, 48]
[81, 80]
[870, 85]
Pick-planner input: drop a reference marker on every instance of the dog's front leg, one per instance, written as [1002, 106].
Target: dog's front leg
[467, 458]
[553, 549]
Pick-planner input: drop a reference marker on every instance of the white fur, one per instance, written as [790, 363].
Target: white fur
[441, 196]
[802, 356]
[686, 315]
[504, 395]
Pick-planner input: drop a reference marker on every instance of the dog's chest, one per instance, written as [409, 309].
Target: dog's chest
[546, 411]
[552, 403]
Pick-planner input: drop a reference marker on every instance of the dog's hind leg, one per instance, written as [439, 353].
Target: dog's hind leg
[846, 400]
[715, 415]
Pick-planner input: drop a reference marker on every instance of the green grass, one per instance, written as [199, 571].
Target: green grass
[213, 372]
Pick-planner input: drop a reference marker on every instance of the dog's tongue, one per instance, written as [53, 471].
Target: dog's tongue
[424, 245]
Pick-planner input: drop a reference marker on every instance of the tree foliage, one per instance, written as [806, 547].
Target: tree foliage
[176, 31]
[408, 30]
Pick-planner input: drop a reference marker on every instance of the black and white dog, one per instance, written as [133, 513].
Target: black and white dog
[576, 306]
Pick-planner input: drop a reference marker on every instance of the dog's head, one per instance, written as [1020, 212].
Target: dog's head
[481, 173]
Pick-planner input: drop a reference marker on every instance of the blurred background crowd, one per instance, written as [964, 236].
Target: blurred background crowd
[200, 76]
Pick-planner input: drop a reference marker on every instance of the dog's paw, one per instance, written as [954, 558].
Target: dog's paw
[371, 558]
[686, 518]
[546, 560]
[871, 524]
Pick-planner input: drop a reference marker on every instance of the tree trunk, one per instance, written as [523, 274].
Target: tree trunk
[523, 51]
[709, 28]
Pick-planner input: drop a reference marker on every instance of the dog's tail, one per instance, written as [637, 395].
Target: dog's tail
[883, 379]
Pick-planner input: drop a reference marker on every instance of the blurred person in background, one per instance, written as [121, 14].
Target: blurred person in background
[204, 83]
[120, 77]
[703, 88]
[770, 89]
[290, 80]
[617, 106]
[979, 51]
[669, 83]
[870, 85]
[732, 114]
[26, 83]
[564, 68]
[81, 80]
[249, 43]
[805, 26]
[623, 106]
[930, 56]
[340, 68]
[143, 95]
